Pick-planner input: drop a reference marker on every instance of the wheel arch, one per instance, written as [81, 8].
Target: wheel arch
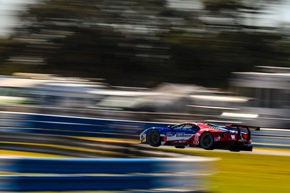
[153, 137]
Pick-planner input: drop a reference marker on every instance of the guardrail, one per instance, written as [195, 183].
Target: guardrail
[72, 125]
[272, 138]
[110, 174]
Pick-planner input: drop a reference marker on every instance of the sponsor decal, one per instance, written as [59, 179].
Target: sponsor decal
[169, 134]
[183, 135]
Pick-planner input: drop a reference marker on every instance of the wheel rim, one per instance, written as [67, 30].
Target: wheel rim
[206, 141]
[155, 138]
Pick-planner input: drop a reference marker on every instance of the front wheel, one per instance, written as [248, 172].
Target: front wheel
[206, 141]
[153, 138]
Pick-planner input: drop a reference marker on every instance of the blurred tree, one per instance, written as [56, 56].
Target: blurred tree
[224, 41]
[7, 47]
[145, 42]
[104, 38]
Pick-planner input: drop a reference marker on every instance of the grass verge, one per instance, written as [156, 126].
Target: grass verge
[28, 154]
[247, 172]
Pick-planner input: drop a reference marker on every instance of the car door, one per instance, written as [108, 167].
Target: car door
[180, 132]
[185, 132]
[171, 135]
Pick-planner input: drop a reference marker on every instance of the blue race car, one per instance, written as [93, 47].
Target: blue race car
[199, 134]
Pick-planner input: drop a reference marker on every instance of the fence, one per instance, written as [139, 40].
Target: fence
[110, 174]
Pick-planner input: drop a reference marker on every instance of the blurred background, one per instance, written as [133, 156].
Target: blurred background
[165, 61]
[222, 58]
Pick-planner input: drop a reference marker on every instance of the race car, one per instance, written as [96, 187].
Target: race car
[199, 134]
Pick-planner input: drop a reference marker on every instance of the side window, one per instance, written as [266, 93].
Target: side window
[195, 128]
[187, 127]
[178, 126]
[191, 127]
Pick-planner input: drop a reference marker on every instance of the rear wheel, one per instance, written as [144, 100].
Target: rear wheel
[206, 141]
[153, 138]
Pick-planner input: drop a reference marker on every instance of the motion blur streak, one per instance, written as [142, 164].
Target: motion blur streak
[161, 61]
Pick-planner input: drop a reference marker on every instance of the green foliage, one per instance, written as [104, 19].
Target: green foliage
[147, 42]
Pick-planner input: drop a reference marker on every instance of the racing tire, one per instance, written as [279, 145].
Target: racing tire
[153, 138]
[206, 141]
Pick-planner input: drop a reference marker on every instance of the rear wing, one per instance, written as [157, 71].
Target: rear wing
[238, 127]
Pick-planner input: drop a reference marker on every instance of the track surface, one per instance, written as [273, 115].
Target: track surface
[100, 147]
[261, 151]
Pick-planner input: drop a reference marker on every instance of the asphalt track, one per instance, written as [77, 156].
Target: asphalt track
[258, 151]
[96, 147]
